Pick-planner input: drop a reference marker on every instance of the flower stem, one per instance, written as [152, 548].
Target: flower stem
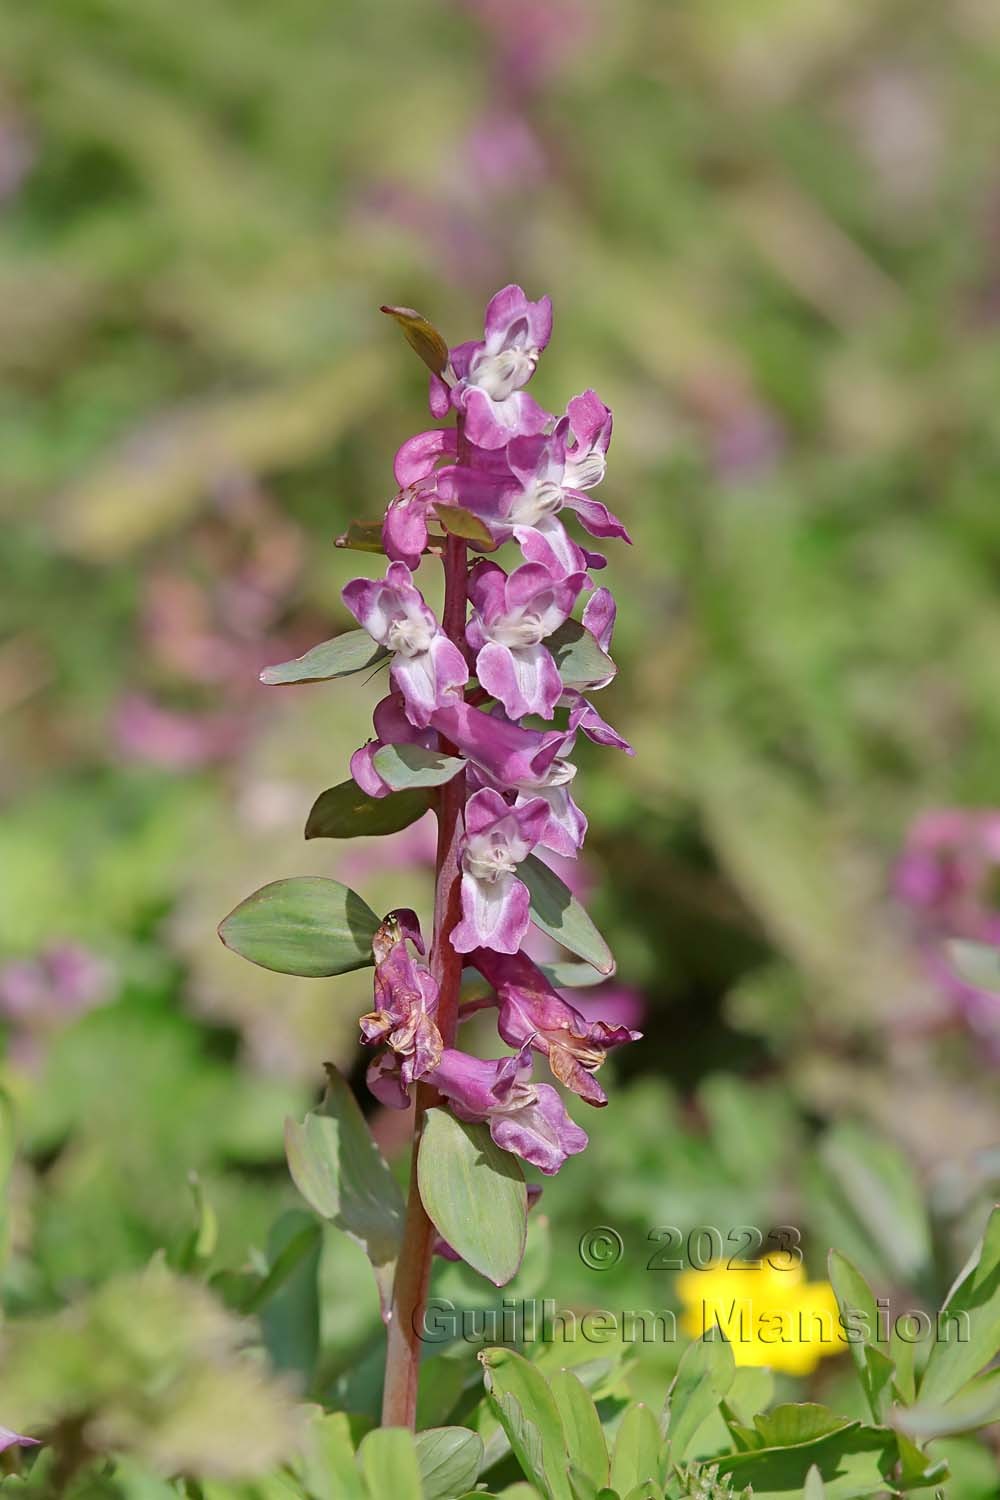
[413, 1269]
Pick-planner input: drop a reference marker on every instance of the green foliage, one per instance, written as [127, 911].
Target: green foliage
[341, 1173]
[354, 651]
[405, 766]
[474, 1194]
[346, 812]
[307, 926]
[559, 914]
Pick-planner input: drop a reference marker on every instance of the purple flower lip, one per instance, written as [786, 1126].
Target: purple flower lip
[533, 1014]
[427, 667]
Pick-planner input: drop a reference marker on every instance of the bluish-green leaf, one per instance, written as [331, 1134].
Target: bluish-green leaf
[703, 1377]
[474, 1194]
[881, 1190]
[571, 975]
[449, 1459]
[387, 1459]
[307, 926]
[977, 963]
[585, 1444]
[341, 1173]
[557, 912]
[859, 1323]
[290, 1312]
[968, 1332]
[526, 1409]
[975, 1405]
[346, 812]
[345, 654]
[581, 661]
[636, 1459]
[405, 766]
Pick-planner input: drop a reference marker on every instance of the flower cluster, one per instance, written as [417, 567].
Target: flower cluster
[507, 471]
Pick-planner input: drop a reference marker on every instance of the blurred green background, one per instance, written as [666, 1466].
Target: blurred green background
[771, 232]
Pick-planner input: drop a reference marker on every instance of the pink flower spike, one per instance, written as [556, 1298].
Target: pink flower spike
[427, 668]
[495, 904]
[514, 615]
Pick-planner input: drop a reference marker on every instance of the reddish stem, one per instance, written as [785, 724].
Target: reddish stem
[413, 1269]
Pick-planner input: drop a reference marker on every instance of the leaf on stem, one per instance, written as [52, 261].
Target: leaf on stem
[309, 926]
[345, 654]
[557, 912]
[362, 536]
[406, 766]
[341, 1173]
[422, 337]
[474, 1194]
[346, 812]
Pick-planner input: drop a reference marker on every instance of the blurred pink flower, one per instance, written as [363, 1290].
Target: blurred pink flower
[947, 876]
[145, 731]
[40, 994]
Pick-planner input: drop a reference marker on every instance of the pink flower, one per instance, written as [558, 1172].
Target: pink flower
[392, 727]
[495, 904]
[527, 1118]
[513, 616]
[491, 374]
[427, 668]
[533, 1014]
[406, 999]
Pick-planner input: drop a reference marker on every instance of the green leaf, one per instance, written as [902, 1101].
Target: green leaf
[362, 536]
[341, 1173]
[975, 1405]
[585, 1444]
[290, 1312]
[308, 926]
[474, 1194]
[637, 1449]
[461, 522]
[882, 1192]
[580, 660]
[794, 1423]
[855, 1463]
[571, 975]
[346, 812]
[915, 1469]
[387, 1459]
[405, 766]
[526, 1409]
[703, 1377]
[968, 1331]
[328, 1466]
[198, 1247]
[859, 1322]
[558, 913]
[422, 337]
[449, 1460]
[977, 963]
[354, 651]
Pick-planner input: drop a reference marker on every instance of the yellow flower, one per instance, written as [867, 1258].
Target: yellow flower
[770, 1316]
